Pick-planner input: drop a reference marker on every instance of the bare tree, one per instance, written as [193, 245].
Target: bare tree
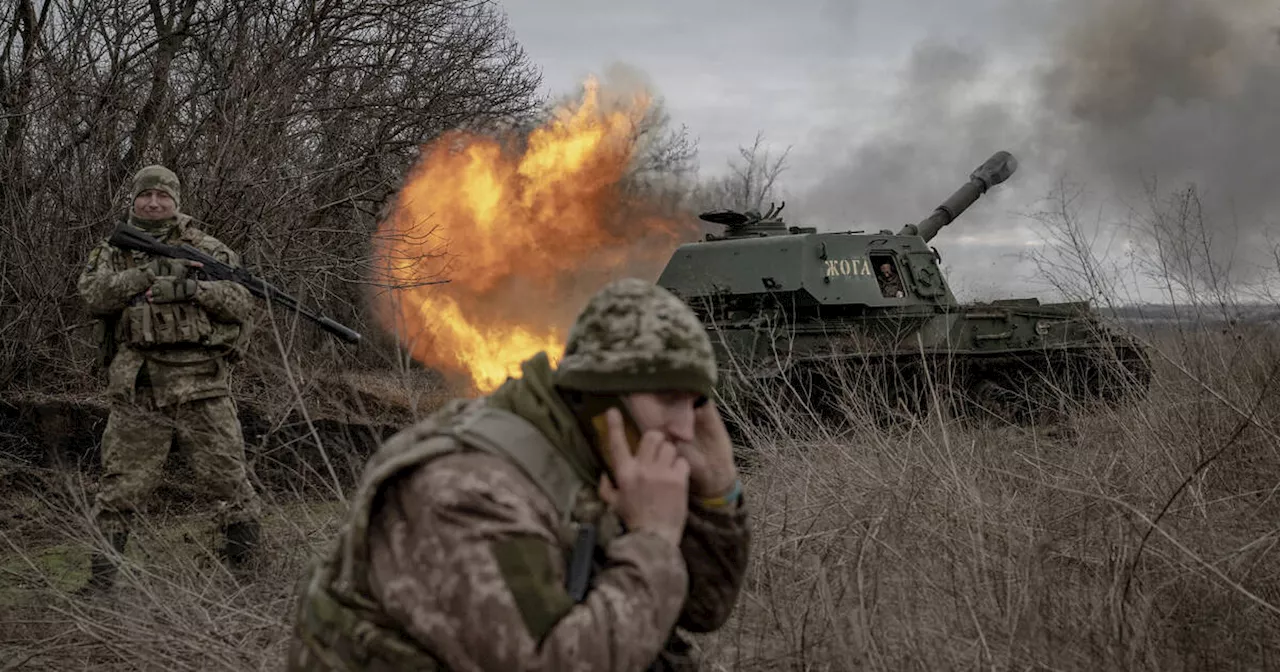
[751, 182]
[290, 123]
[1181, 252]
[665, 158]
[1074, 256]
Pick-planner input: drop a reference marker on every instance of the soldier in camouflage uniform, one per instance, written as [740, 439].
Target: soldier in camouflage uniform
[464, 544]
[170, 339]
[890, 283]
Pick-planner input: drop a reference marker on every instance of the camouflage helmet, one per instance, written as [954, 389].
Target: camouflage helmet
[634, 336]
[158, 177]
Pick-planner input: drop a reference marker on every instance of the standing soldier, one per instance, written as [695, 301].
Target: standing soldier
[570, 520]
[169, 340]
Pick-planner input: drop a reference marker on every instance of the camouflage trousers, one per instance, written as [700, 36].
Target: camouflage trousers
[136, 444]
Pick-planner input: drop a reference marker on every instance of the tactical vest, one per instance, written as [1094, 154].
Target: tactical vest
[339, 626]
[144, 325]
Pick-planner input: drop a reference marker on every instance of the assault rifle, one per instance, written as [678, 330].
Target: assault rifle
[132, 238]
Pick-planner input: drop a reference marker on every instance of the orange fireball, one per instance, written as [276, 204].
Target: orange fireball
[523, 237]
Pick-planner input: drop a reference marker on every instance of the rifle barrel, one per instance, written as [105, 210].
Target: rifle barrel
[130, 237]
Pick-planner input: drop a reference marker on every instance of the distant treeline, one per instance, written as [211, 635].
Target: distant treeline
[1202, 313]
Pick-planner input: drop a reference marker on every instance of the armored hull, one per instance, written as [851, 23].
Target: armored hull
[826, 315]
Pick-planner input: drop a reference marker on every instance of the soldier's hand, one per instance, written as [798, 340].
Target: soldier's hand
[652, 488]
[181, 268]
[711, 469]
[167, 290]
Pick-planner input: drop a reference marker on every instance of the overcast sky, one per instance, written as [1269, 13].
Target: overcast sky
[887, 107]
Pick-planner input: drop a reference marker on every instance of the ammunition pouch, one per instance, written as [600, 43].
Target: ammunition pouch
[145, 325]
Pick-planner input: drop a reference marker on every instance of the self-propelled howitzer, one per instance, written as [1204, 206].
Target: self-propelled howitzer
[827, 314]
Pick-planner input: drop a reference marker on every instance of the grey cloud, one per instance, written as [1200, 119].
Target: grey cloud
[1183, 91]
[935, 140]
[726, 68]
[889, 106]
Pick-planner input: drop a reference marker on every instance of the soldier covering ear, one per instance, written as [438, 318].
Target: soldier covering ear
[463, 546]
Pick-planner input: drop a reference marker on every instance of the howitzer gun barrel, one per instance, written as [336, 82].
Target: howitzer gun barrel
[997, 169]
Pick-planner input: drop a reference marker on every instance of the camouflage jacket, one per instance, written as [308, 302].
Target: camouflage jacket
[113, 285]
[459, 563]
[890, 287]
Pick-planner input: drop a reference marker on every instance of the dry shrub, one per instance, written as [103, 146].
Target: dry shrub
[1136, 537]
[935, 544]
[175, 606]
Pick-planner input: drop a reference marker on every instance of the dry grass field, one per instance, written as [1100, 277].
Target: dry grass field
[1141, 537]
[1136, 537]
